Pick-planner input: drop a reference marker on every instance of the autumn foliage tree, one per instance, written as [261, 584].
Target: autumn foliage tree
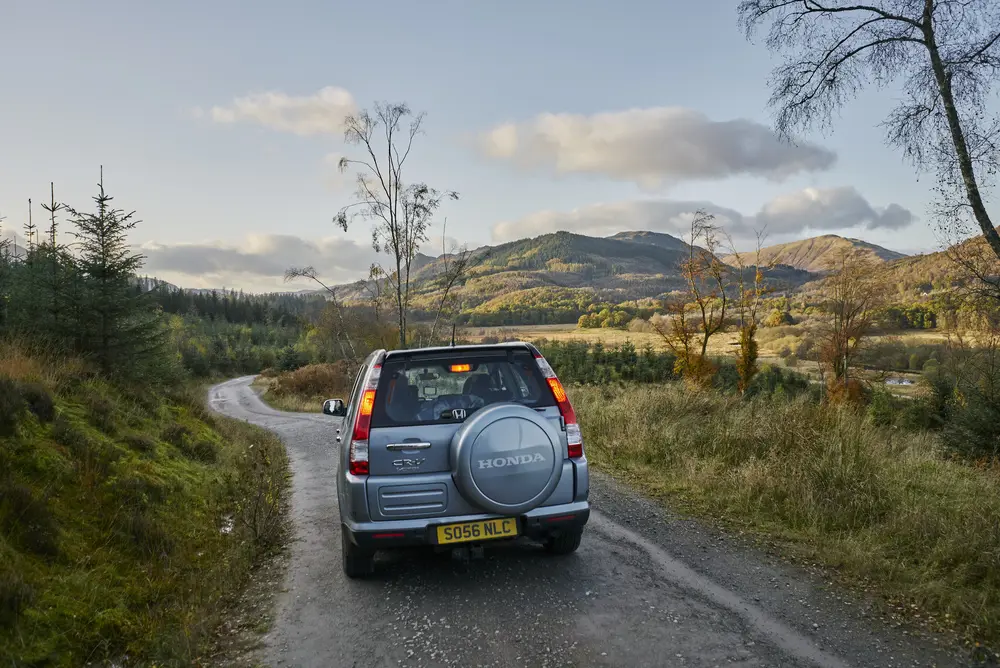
[700, 310]
[752, 291]
[856, 293]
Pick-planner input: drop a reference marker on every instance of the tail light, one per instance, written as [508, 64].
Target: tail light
[574, 438]
[358, 462]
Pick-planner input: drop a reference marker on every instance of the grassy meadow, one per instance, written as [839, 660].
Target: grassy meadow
[882, 507]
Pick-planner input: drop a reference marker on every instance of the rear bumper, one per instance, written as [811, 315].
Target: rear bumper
[538, 524]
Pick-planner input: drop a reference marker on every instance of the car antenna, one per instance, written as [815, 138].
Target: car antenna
[452, 335]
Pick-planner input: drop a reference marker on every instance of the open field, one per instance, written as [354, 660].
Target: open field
[718, 344]
[722, 345]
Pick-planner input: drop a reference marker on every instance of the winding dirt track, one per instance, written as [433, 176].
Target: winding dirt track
[646, 588]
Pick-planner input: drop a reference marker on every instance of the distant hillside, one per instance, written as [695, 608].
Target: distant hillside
[557, 277]
[817, 253]
[937, 271]
[653, 238]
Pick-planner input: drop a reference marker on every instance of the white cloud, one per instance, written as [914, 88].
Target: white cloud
[317, 114]
[261, 258]
[829, 209]
[811, 209]
[653, 147]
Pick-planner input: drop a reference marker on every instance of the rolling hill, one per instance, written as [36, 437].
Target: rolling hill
[556, 277]
[817, 253]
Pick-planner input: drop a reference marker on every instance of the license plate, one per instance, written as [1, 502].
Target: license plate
[504, 527]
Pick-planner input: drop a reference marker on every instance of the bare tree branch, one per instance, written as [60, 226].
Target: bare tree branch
[946, 53]
[310, 273]
[400, 213]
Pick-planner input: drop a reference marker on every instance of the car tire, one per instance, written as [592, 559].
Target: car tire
[564, 543]
[358, 563]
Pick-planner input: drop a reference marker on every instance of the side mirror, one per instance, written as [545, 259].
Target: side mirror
[334, 407]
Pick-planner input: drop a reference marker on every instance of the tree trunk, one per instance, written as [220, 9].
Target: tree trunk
[957, 134]
[399, 304]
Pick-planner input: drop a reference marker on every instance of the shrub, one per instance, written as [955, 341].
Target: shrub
[882, 408]
[316, 380]
[726, 377]
[140, 443]
[772, 380]
[27, 520]
[777, 318]
[291, 359]
[792, 361]
[258, 485]
[147, 535]
[39, 401]
[201, 450]
[11, 405]
[76, 440]
[15, 595]
[101, 412]
[176, 434]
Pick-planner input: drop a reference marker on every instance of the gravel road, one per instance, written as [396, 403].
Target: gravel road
[646, 588]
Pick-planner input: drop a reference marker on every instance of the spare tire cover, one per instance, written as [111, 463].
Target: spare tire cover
[507, 458]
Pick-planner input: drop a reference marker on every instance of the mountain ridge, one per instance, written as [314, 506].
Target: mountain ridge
[817, 254]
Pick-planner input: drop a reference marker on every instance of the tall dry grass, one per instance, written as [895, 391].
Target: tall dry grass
[305, 389]
[880, 505]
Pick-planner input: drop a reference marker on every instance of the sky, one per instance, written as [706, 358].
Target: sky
[221, 123]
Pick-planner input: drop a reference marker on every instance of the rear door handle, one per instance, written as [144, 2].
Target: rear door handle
[407, 446]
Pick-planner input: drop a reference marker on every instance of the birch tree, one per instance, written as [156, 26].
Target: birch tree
[944, 53]
[400, 212]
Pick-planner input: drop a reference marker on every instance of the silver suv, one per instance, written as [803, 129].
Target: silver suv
[453, 447]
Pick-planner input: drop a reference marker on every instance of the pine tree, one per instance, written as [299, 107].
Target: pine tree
[55, 272]
[121, 328]
[25, 281]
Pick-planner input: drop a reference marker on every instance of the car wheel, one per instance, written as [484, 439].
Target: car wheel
[565, 542]
[357, 562]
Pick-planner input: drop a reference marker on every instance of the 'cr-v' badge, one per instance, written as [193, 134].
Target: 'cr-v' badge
[408, 463]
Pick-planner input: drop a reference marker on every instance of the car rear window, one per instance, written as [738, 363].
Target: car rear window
[442, 390]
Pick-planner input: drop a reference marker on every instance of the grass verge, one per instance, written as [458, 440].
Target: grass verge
[304, 390]
[292, 403]
[880, 506]
[128, 519]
